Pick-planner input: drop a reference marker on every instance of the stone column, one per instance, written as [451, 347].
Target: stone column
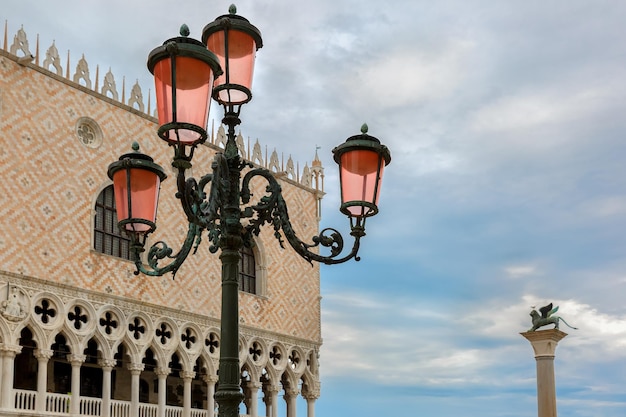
[162, 374]
[274, 401]
[210, 389]
[544, 344]
[9, 352]
[135, 371]
[267, 400]
[253, 400]
[107, 365]
[187, 377]
[43, 356]
[291, 398]
[310, 403]
[76, 361]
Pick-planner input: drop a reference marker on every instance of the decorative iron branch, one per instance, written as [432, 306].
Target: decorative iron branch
[160, 250]
[272, 209]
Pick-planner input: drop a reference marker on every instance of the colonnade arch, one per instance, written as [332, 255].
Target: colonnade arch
[111, 356]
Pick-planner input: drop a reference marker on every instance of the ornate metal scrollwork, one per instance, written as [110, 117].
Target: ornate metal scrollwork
[226, 203]
[272, 209]
[160, 250]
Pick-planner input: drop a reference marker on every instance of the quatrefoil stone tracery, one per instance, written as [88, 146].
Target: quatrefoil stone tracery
[77, 318]
[275, 355]
[163, 333]
[294, 359]
[108, 322]
[255, 351]
[88, 132]
[188, 337]
[46, 311]
[137, 328]
[212, 342]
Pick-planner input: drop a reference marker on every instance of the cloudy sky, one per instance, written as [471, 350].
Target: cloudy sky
[507, 187]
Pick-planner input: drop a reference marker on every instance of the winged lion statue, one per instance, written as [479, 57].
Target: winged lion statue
[546, 317]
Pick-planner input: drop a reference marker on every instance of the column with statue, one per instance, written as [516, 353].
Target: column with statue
[544, 344]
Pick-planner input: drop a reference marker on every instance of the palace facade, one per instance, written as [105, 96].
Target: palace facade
[80, 334]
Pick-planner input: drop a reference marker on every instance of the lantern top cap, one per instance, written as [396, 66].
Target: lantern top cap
[184, 30]
[136, 159]
[183, 45]
[235, 22]
[362, 142]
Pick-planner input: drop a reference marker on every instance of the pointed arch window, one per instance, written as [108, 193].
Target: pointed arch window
[247, 271]
[108, 238]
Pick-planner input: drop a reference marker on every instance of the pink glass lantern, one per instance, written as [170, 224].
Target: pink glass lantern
[235, 42]
[184, 71]
[136, 184]
[362, 159]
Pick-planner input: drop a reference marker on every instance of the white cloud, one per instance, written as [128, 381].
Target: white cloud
[402, 343]
[408, 76]
[521, 111]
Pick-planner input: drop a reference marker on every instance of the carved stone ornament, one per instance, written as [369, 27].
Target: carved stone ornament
[88, 132]
[136, 97]
[14, 306]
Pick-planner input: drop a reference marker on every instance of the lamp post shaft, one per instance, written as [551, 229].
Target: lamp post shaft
[228, 394]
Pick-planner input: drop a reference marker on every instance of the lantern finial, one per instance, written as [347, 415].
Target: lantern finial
[184, 30]
[135, 146]
[232, 9]
[364, 128]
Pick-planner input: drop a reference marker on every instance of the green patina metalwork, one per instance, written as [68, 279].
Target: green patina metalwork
[218, 201]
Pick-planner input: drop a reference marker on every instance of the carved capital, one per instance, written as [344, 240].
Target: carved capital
[210, 379]
[272, 389]
[43, 355]
[544, 342]
[253, 385]
[292, 392]
[75, 359]
[188, 375]
[135, 368]
[311, 395]
[10, 351]
[162, 372]
[107, 364]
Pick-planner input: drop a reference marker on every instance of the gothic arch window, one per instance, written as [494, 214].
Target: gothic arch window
[253, 269]
[144, 391]
[247, 271]
[26, 363]
[91, 372]
[107, 237]
[61, 369]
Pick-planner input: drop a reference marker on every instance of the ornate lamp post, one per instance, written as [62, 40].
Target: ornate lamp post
[187, 75]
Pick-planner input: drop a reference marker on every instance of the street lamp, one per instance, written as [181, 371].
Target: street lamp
[187, 74]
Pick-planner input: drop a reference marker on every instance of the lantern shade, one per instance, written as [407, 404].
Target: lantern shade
[361, 160]
[361, 178]
[184, 71]
[136, 183]
[235, 42]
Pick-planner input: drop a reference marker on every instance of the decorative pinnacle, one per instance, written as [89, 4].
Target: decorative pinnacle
[232, 9]
[135, 146]
[364, 128]
[184, 30]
